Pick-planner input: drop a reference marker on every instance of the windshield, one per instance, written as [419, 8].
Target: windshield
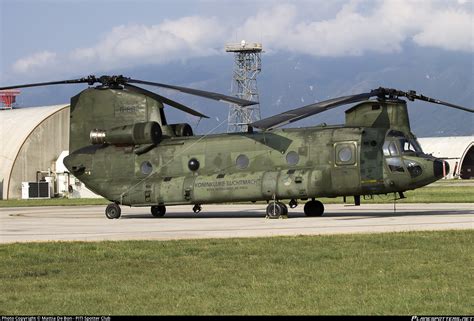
[410, 145]
[407, 145]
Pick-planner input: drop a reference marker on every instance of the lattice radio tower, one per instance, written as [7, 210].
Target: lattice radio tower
[247, 64]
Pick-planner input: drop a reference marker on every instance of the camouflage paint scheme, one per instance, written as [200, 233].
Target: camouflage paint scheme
[301, 163]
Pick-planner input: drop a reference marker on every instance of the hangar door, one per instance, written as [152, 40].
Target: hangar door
[467, 166]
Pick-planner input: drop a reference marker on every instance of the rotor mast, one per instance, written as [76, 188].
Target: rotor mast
[247, 65]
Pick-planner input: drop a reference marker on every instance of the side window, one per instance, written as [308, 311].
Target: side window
[393, 149]
[242, 161]
[345, 153]
[146, 168]
[292, 158]
[395, 164]
[390, 149]
[142, 168]
[392, 155]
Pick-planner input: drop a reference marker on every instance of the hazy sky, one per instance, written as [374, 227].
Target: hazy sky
[43, 40]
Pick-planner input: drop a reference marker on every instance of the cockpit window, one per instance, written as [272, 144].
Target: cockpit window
[393, 149]
[390, 149]
[407, 145]
[397, 145]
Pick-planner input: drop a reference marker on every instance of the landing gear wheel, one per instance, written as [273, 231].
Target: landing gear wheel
[113, 211]
[276, 209]
[293, 203]
[158, 210]
[314, 208]
[197, 208]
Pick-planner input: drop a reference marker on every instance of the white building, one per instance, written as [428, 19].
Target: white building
[32, 140]
[458, 151]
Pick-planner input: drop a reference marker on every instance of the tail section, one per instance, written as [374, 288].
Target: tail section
[103, 109]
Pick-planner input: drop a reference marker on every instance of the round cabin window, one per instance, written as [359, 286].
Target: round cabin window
[345, 154]
[146, 168]
[292, 158]
[242, 161]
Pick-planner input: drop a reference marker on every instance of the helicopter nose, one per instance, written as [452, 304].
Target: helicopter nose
[440, 168]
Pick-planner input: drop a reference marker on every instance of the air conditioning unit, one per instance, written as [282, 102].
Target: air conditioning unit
[35, 190]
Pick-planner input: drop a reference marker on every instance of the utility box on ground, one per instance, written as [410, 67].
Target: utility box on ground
[32, 190]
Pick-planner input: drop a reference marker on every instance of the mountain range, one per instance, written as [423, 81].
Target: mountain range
[289, 80]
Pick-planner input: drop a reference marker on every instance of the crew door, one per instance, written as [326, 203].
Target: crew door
[371, 161]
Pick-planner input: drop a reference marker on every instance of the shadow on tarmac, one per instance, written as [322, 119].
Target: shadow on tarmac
[359, 215]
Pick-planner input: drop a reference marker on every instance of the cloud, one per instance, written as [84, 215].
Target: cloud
[128, 45]
[272, 26]
[353, 27]
[365, 26]
[450, 30]
[34, 62]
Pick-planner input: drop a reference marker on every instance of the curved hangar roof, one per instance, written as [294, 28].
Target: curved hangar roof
[31, 138]
[457, 150]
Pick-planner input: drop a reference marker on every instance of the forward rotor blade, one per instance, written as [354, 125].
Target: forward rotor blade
[440, 102]
[309, 110]
[165, 100]
[412, 95]
[90, 80]
[196, 92]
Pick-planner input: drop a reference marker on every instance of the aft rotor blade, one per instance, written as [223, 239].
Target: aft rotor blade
[309, 110]
[196, 92]
[165, 100]
[88, 80]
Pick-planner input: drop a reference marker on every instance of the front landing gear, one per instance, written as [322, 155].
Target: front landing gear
[314, 208]
[113, 211]
[276, 210]
[158, 210]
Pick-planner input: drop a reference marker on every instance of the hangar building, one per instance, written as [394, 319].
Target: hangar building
[32, 140]
[458, 151]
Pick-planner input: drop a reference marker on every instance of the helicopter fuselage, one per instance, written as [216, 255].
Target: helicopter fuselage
[282, 164]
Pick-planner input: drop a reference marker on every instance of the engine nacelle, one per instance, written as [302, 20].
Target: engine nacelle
[136, 134]
[182, 130]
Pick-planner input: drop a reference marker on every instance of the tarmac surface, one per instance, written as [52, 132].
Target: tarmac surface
[88, 223]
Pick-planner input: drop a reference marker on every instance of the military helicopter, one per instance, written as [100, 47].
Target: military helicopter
[123, 149]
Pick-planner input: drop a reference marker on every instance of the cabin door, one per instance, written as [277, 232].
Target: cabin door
[345, 176]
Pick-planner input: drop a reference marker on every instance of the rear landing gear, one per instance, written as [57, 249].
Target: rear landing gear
[197, 208]
[276, 210]
[158, 210]
[293, 203]
[113, 211]
[314, 208]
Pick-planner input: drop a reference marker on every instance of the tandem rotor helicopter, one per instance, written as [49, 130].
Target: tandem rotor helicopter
[123, 149]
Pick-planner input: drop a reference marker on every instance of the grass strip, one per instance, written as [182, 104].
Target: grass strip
[415, 273]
